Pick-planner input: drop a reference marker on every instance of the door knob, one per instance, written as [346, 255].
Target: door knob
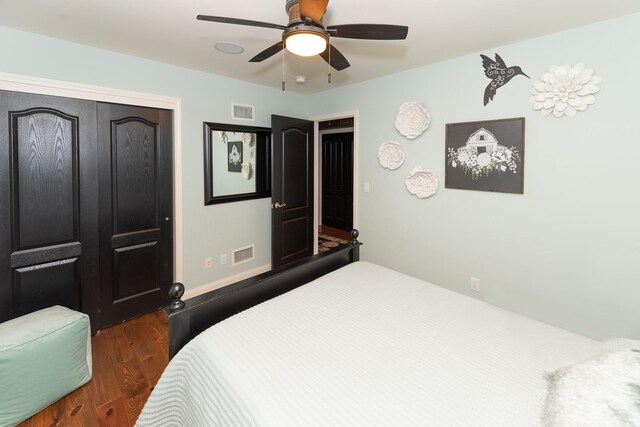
[278, 205]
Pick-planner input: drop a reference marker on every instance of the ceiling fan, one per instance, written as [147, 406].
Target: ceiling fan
[305, 35]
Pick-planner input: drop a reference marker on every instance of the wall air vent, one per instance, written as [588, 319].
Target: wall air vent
[242, 255]
[242, 112]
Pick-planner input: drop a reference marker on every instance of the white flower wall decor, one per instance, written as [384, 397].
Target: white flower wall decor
[412, 119]
[564, 90]
[247, 138]
[390, 155]
[246, 170]
[421, 182]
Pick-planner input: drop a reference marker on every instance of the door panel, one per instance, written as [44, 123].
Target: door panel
[295, 246]
[136, 224]
[295, 169]
[45, 177]
[36, 286]
[337, 180]
[136, 270]
[135, 204]
[292, 191]
[48, 251]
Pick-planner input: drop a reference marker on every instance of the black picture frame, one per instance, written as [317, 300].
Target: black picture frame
[485, 155]
[234, 156]
[262, 167]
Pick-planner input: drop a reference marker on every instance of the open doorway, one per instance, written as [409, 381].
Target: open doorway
[335, 172]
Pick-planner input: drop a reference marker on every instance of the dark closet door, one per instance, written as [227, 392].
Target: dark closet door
[292, 190]
[48, 194]
[136, 210]
[337, 180]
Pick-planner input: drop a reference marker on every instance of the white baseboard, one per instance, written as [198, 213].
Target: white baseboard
[225, 281]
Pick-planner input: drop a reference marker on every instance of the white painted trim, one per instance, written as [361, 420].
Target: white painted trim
[226, 281]
[19, 83]
[316, 183]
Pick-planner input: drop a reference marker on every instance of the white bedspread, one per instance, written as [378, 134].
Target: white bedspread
[365, 346]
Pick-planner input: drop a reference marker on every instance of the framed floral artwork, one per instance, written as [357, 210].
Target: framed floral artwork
[486, 155]
[234, 151]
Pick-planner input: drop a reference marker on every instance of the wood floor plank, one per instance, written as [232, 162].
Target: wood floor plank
[113, 414]
[80, 408]
[159, 325]
[122, 380]
[134, 386]
[158, 346]
[105, 381]
[121, 347]
[28, 422]
[136, 331]
[153, 367]
[52, 415]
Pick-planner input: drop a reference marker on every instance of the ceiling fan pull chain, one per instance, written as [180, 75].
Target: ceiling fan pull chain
[329, 62]
[283, 53]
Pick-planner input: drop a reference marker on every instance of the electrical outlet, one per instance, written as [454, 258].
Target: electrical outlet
[223, 259]
[208, 262]
[475, 284]
[367, 188]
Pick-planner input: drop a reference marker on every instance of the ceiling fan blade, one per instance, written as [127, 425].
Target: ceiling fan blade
[236, 21]
[268, 52]
[338, 61]
[369, 31]
[313, 9]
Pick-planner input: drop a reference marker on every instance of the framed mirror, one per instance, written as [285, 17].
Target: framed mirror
[237, 163]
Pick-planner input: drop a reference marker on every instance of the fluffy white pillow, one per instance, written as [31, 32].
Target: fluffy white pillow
[604, 391]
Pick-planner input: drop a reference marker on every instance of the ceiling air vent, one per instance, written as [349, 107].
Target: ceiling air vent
[242, 112]
[243, 255]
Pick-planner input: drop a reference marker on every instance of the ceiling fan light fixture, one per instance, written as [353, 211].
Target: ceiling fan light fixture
[306, 43]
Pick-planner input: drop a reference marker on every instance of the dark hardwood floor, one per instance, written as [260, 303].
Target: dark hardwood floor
[341, 234]
[128, 359]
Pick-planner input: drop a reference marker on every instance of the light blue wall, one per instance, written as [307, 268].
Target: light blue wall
[566, 252]
[208, 230]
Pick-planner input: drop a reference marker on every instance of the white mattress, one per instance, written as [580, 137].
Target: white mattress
[365, 346]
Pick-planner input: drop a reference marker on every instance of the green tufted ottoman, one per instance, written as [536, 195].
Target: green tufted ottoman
[43, 356]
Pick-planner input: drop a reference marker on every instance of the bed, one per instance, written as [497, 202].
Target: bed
[365, 345]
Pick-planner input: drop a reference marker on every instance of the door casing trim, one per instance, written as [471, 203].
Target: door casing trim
[41, 86]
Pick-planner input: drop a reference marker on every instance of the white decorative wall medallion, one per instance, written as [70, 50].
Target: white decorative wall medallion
[246, 170]
[247, 138]
[421, 183]
[390, 155]
[412, 119]
[564, 90]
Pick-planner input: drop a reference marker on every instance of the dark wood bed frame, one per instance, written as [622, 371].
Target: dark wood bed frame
[188, 318]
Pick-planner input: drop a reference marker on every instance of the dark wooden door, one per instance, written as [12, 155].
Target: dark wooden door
[292, 190]
[136, 210]
[337, 180]
[48, 194]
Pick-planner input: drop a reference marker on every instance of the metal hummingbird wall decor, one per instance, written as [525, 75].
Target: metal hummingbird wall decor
[499, 74]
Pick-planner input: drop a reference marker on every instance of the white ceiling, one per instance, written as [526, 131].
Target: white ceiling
[167, 31]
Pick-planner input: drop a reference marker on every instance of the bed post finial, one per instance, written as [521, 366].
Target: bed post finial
[355, 233]
[175, 293]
